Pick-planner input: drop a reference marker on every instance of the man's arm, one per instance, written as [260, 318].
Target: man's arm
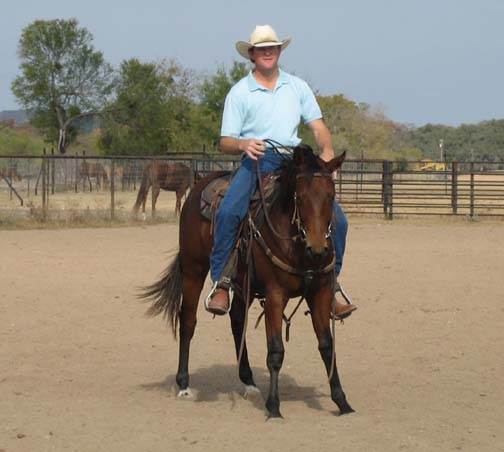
[323, 139]
[252, 147]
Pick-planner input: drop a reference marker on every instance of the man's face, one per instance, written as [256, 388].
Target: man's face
[265, 58]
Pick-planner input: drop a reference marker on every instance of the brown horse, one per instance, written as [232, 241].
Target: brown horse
[289, 259]
[162, 175]
[11, 172]
[87, 170]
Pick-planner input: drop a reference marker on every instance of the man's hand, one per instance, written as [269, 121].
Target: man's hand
[253, 147]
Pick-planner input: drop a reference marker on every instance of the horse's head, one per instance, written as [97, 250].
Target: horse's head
[313, 200]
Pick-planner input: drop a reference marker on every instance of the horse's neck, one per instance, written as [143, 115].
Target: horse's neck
[280, 215]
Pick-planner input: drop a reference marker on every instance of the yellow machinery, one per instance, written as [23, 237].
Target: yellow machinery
[431, 166]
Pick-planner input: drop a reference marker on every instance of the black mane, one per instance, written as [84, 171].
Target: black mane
[291, 167]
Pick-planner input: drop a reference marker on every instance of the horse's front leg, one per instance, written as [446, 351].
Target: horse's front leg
[237, 314]
[320, 308]
[274, 308]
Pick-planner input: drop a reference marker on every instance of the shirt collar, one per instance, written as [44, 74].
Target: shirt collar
[254, 86]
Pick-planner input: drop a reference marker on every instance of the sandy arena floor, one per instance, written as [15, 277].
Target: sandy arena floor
[82, 369]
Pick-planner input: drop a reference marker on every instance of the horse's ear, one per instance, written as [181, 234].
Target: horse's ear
[335, 163]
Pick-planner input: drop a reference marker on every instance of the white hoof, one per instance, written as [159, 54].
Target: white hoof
[185, 394]
[251, 392]
[274, 419]
[144, 216]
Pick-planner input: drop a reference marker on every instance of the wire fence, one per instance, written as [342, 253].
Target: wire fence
[78, 187]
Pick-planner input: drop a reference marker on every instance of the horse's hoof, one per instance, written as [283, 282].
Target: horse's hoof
[144, 217]
[348, 410]
[274, 418]
[251, 392]
[185, 394]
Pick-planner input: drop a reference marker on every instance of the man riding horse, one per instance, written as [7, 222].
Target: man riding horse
[268, 104]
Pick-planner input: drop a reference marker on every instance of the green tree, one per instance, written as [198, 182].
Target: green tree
[212, 94]
[62, 77]
[152, 110]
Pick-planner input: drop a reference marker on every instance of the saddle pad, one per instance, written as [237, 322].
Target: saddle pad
[213, 193]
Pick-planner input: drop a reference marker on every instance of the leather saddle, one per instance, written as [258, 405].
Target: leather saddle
[213, 193]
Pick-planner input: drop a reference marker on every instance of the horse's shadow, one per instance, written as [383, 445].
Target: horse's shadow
[209, 383]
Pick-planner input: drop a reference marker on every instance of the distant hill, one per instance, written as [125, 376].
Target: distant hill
[20, 116]
[84, 125]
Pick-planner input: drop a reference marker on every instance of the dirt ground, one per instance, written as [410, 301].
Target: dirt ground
[421, 361]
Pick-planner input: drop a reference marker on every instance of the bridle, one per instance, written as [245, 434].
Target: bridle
[296, 216]
[296, 219]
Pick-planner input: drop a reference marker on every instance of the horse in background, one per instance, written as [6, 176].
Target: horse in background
[87, 170]
[11, 172]
[166, 176]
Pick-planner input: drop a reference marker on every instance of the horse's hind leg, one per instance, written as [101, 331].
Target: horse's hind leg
[237, 314]
[192, 285]
[155, 193]
[320, 313]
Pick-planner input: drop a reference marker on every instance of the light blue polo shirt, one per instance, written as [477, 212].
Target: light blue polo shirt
[253, 111]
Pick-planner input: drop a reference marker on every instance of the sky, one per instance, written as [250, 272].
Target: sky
[419, 61]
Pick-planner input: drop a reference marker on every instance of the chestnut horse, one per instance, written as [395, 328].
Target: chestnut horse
[163, 175]
[10, 172]
[292, 255]
[87, 170]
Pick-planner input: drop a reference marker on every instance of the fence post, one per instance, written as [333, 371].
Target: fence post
[151, 175]
[44, 191]
[76, 171]
[471, 192]
[53, 170]
[11, 166]
[112, 189]
[454, 188]
[84, 164]
[387, 179]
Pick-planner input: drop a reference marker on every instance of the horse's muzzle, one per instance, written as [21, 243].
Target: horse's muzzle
[317, 256]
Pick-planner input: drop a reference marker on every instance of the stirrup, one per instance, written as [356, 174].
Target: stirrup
[216, 286]
[341, 318]
[339, 288]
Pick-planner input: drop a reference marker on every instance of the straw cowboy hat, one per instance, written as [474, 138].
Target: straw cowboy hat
[262, 36]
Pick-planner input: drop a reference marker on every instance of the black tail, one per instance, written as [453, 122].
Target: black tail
[166, 294]
[142, 191]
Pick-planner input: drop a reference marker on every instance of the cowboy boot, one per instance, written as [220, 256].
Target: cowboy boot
[343, 310]
[218, 303]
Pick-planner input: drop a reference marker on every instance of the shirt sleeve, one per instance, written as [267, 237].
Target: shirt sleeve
[310, 109]
[232, 117]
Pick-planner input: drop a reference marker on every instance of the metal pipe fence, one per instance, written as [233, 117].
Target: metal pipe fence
[76, 186]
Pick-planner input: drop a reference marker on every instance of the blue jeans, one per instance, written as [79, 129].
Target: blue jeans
[234, 207]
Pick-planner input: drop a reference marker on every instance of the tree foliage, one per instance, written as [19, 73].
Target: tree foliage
[483, 142]
[163, 107]
[212, 94]
[360, 130]
[62, 76]
[19, 140]
[151, 111]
